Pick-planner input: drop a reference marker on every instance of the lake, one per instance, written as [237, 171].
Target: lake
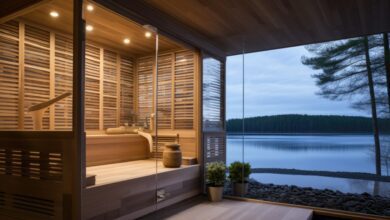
[351, 153]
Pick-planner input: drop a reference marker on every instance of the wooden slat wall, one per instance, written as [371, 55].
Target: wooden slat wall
[176, 89]
[92, 87]
[165, 86]
[127, 90]
[63, 81]
[184, 90]
[36, 71]
[110, 85]
[9, 75]
[36, 65]
[34, 174]
[145, 88]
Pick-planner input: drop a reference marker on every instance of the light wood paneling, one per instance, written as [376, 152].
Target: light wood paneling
[145, 88]
[127, 91]
[165, 86]
[106, 149]
[36, 71]
[42, 68]
[63, 67]
[184, 90]
[110, 86]
[109, 28]
[176, 92]
[92, 87]
[9, 75]
[35, 174]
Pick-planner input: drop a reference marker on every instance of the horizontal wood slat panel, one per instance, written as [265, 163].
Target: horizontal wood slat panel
[47, 70]
[36, 75]
[184, 90]
[127, 91]
[9, 75]
[110, 107]
[145, 88]
[92, 86]
[164, 106]
[63, 81]
[176, 89]
[34, 167]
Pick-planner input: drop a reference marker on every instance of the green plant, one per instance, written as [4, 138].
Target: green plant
[239, 172]
[216, 173]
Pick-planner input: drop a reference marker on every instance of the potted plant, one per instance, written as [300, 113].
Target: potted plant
[239, 175]
[215, 177]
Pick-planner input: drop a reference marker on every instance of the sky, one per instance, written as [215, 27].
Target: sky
[276, 82]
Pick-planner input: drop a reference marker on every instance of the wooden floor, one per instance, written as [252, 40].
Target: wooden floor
[230, 210]
[110, 173]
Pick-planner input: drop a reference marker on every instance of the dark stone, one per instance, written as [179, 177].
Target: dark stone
[364, 203]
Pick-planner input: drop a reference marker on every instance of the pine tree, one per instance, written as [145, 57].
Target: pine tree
[347, 72]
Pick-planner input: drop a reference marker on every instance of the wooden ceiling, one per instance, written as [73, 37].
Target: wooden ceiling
[269, 24]
[110, 29]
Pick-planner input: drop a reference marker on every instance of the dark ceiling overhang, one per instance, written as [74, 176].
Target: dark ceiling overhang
[12, 9]
[230, 26]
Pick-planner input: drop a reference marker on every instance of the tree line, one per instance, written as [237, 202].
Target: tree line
[296, 123]
[356, 69]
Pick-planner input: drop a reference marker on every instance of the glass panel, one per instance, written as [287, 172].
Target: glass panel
[214, 137]
[310, 125]
[36, 69]
[234, 115]
[176, 101]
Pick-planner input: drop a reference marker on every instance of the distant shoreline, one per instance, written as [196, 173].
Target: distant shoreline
[296, 134]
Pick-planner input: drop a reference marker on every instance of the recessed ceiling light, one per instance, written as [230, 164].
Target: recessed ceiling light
[90, 7]
[148, 34]
[126, 41]
[54, 14]
[89, 27]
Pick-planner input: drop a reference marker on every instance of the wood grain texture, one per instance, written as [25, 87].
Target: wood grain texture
[35, 173]
[109, 28]
[129, 192]
[107, 149]
[265, 25]
[199, 209]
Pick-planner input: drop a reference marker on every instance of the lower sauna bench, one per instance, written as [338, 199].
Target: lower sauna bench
[128, 189]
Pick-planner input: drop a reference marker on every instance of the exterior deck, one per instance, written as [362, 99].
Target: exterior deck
[230, 209]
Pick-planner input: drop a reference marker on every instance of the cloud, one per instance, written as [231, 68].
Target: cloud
[276, 82]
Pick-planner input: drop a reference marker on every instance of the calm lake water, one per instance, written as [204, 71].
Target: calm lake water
[352, 153]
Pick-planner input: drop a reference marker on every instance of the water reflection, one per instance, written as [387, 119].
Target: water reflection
[307, 152]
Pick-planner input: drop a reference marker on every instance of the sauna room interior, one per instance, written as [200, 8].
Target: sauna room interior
[121, 94]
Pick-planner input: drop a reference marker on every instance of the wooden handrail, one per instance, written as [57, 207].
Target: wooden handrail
[38, 109]
[48, 103]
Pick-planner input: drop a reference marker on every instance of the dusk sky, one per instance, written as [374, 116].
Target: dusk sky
[276, 82]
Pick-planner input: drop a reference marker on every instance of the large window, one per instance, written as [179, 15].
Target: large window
[313, 123]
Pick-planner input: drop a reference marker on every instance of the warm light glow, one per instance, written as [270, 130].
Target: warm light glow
[90, 7]
[148, 34]
[89, 28]
[126, 41]
[54, 14]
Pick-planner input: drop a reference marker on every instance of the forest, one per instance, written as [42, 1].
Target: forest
[295, 123]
